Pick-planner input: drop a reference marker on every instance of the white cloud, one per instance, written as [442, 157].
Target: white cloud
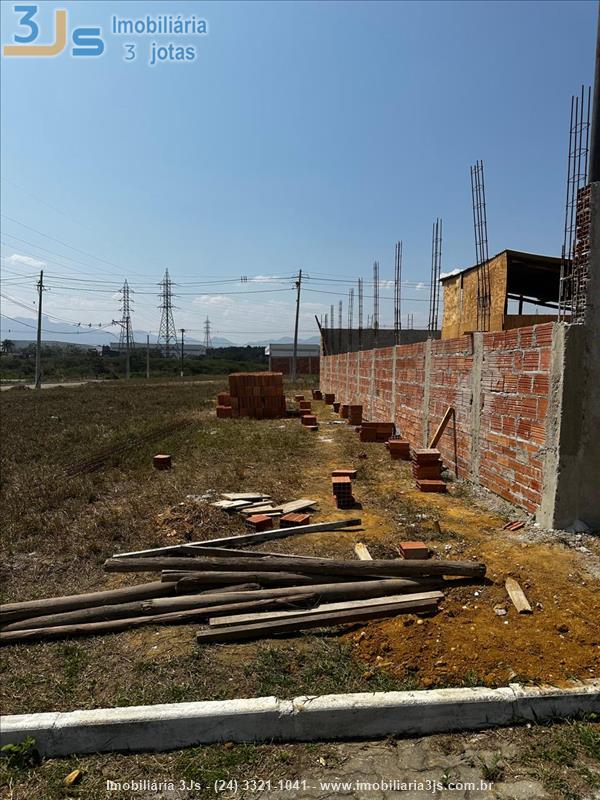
[386, 284]
[212, 300]
[265, 279]
[419, 287]
[16, 258]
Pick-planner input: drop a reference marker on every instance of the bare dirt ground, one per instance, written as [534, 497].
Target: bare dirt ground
[59, 529]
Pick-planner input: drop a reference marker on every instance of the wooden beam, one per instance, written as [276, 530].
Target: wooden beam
[442, 427]
[361, 551]
[379, 567]
[517, 595]
[250, 538]
[259, 630]
[370, 602]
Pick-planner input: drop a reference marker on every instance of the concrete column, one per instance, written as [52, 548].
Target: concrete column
[393, 409]
[477, 339]
[571, 473]
[425, 415]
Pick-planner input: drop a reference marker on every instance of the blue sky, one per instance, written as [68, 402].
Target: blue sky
[304, 135]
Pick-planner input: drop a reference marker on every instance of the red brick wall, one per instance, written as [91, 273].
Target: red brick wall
[304, 365]
[514, 388]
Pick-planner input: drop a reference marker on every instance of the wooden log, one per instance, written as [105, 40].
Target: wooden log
[517, 595]
[10, 612]
[371, 602]
[268, 578]
[162, 605]
[238, 587]
[259, 630]
[377, 567]
[249, 538]
[361, 551]
[115, 626]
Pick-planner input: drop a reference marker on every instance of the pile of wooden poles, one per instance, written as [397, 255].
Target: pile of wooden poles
[240, 594]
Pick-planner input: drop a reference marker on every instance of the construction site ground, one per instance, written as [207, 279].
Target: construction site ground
[78, 485]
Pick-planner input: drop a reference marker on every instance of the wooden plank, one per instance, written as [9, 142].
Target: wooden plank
[117, 625]
[245, 496]
[441, 427]
[10, 612]
[376, 567]
[370, 602]
[298, 505]
[229, 552]
[265, 629]
[249, 538]
[517, 595]
[361, 551]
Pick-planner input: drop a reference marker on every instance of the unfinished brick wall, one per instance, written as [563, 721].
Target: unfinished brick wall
[500, 444]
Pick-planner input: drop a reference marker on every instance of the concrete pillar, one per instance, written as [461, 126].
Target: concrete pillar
[427, 380]
[571, 473]
[477, 340]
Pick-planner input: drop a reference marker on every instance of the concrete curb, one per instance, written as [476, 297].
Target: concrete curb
[337, 716]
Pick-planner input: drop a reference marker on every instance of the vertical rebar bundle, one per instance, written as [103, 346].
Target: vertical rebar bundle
[360, 313]
[126, 336]
[398, 291]
[436, 268]
[481, 247]
[167, 334]
[573, 272]
[375, 299]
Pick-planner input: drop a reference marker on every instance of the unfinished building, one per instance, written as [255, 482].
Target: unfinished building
[526, 399]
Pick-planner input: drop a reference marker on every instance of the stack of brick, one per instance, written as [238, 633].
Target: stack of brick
[309, 421]
[329, 398]
[399, 449]
[292, 520]
[355, 415]
[257, 394]
[376, 431]
[224, 409]
[317, 394]
[298, 397]
[342, 491]
[344, 410]
[305, 405]
[427, 470]
[344, 473]
[336, 406]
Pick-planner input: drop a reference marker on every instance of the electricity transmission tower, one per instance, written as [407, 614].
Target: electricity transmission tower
[126, 342]
[207, 339]
[167, 335]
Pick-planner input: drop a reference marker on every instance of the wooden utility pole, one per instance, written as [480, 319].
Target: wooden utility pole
[295, 356]
[38, 346]
[147, 355]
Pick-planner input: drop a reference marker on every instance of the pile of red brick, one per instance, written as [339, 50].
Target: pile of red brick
[253, 394]
[329, 398]
[414, 550]
[309, 421]
[292, 520]
[376, 431]
[342, 491]
[427, 470]
[317, 394]
[399, 449]
[355, 415]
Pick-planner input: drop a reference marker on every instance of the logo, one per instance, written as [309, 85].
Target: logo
[85, 41]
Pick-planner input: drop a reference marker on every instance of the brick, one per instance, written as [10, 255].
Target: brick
[162, 461]
[260, 522]
[308, 419]
[344, 473]
[291, 520]
[224, 412]
[414, 550]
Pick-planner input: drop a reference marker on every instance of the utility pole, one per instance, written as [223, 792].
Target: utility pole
[181, 371]
[38, 346]
[295, 355]
[147, 355]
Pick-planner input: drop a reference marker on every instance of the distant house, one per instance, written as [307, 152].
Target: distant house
[281, 357]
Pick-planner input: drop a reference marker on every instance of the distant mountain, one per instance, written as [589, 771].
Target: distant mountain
[285, 340]
[24, 329]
